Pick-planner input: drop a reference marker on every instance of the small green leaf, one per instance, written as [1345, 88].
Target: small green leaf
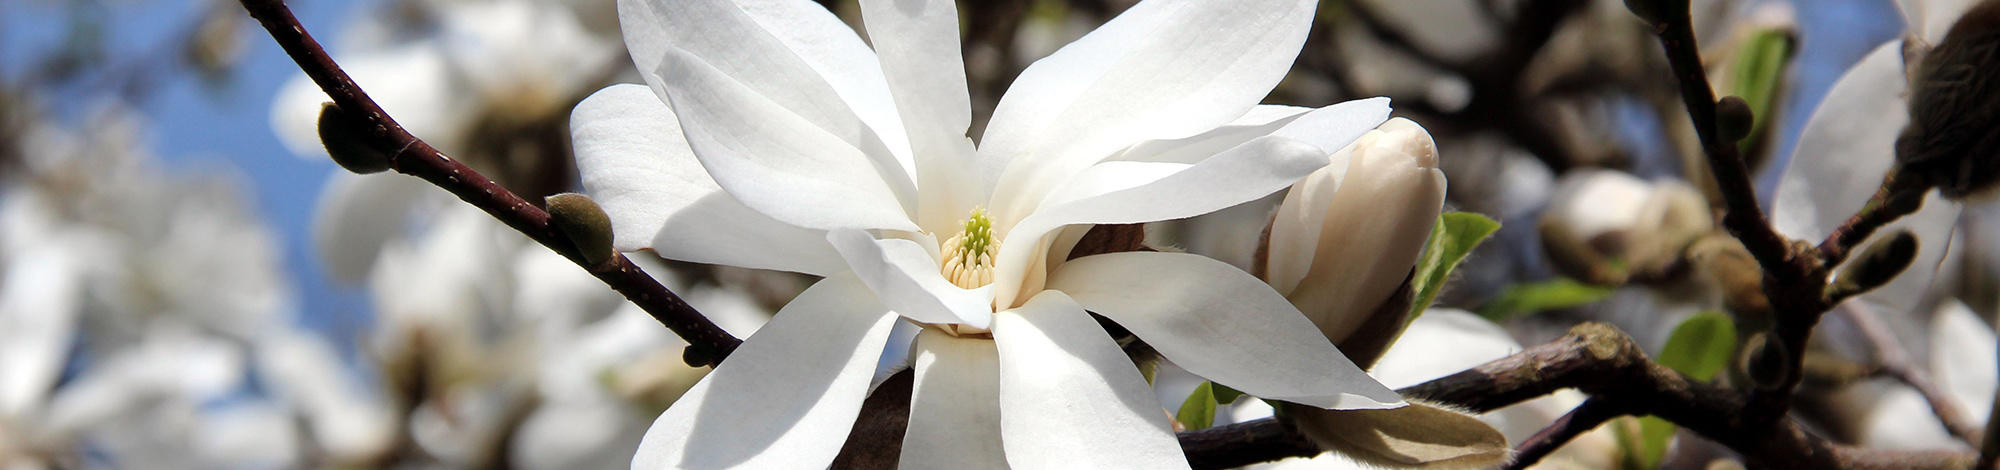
[1455, 235]
[1223, 394]
[1198, 412]
[1542, 296]
[1699, 348]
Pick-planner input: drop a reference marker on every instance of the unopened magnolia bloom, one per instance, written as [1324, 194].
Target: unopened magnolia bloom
[1347, 236]
[769, 135]
[1601, 224]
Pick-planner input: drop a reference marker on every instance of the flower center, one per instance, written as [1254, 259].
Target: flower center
[968, 256]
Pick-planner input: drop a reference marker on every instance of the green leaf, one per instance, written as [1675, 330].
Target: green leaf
[1699, 348]
[1223, 394]
[1759, 73]
[1198, 411]
[1455, 235]
[1542, 296]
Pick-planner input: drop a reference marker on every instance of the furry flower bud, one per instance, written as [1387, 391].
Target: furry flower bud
[1346, 236]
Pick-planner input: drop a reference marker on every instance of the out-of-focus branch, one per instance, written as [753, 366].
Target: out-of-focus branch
[1893, 362]
[1603, 362]
[412, 156]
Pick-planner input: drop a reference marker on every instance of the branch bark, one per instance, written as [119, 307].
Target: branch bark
[409, 155]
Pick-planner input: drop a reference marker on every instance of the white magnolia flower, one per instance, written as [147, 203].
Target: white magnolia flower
[1849, 143]
[771, 136]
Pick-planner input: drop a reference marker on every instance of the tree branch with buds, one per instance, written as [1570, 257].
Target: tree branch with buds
[375, 142]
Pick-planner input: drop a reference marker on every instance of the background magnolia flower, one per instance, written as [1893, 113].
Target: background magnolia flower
[806, 150]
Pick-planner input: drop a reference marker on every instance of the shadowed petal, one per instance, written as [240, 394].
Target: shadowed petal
[787, 397]
[1067, 393]
[955, 407]
[1219, 322]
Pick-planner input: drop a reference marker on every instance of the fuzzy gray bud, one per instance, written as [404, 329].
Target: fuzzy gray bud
[584, 223]
[347, 142]
[1953, 139]
[1877, 265]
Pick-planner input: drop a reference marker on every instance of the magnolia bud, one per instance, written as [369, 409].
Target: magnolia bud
[1604, 226]
[1765, 362]
[584, 223]
[1877, 265]
[1346, 236]
[1953, 139]
[1732, 118]
[347, 143]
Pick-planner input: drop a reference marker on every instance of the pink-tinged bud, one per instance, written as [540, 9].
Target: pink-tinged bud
[1347, 235]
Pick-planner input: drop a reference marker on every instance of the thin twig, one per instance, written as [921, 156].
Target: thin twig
[1896, 198]
[412, 156]
[1585, 417]
[1894, 362]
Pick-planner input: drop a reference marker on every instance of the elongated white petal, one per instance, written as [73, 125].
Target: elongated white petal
[908, 279]
[955, 407]
[776, 161]
[1330, 127]
[796, 53]
[917, 42]
[357, 215]
[1846, 147]
[1221, 323]
[636, 164]
[1160, 70]
[1244, 173]
[1067, 394]
[1963, 358]
[787, 397]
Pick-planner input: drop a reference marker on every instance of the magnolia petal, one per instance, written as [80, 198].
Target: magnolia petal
[954, 409]
[1331, 128]
[918, 46]
[787, 397]
[1242, 174]
[38, 313]
[776, 161]
[1219, 322]
[1842, 153]
[357, 215]
[1963, 358]
[796, 53]
[634, 161]
[1295, 226]
[1067, 393]
[1131, 81]
[908, 279]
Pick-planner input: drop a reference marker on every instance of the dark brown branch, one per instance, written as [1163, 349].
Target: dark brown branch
[1742, 218]
[1603, 362]
[412, 156]
[1896, 198]
[1585, 417]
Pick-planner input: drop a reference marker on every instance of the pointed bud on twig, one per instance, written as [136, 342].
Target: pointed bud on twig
[1877, 265]
[346, 140]
[1733, 118]
[585, 224]
[1765, 362]
[1953, 139]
